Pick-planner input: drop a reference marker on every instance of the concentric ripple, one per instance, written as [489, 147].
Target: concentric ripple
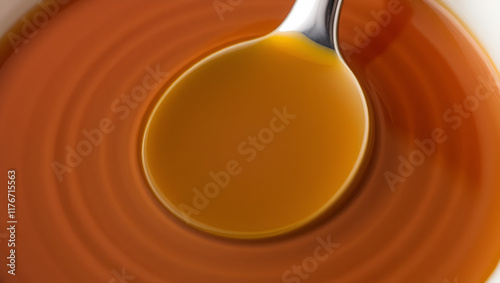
[70, 91]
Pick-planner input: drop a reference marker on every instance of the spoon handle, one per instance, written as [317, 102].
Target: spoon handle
[316, 19]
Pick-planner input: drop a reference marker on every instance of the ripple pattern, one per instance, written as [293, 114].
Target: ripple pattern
[100, 222]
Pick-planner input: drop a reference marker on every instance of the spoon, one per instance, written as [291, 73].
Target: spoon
[316, 19]
[260, 138]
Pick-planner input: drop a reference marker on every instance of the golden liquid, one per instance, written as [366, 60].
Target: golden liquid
[258, 139]
[102, 223]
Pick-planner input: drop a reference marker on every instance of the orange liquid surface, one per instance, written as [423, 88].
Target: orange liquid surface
[76, 98]
[257, 139]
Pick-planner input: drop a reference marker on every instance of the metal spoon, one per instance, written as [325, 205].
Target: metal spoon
[316, 19]
[224, 75]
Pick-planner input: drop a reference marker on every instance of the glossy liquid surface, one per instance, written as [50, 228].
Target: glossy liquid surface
[257, 139]
[102, 222]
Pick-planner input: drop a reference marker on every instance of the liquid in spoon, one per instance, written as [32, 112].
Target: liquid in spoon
[257, 139]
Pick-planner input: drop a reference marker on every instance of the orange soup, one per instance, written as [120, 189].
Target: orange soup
[257, 139]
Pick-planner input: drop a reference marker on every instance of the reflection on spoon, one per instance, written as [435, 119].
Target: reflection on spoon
[262, 137]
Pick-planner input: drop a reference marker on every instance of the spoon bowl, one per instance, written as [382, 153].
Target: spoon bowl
[260, 138]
